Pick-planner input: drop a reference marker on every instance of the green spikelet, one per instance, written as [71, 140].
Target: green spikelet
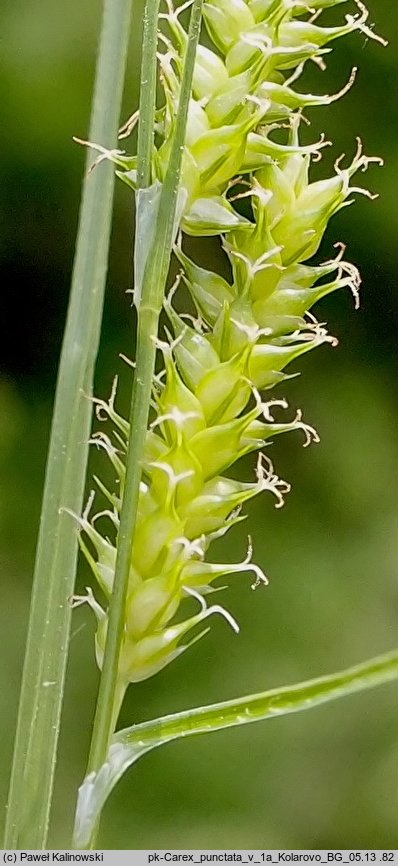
[207, 407]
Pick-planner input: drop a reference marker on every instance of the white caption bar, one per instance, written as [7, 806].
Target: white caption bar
[249, 858]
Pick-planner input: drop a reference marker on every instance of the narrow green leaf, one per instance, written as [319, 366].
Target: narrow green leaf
[48, 637]
[130, 744]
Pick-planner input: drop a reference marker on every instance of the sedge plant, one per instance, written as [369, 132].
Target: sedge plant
[220, 153]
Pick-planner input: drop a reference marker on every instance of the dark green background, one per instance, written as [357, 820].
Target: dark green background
[328, 779]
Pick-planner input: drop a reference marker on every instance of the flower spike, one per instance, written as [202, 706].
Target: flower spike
[246, 176]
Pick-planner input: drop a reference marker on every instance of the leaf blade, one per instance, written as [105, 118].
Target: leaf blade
[132, 743]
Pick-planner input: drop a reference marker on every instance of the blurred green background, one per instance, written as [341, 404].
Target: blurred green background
[328, 779]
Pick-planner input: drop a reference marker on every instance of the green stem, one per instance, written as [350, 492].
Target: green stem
[155, 275]
[146, 131]
[49, 626]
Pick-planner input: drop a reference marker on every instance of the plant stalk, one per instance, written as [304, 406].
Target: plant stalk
[43, 679]
[146, 130]
[155, 275]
